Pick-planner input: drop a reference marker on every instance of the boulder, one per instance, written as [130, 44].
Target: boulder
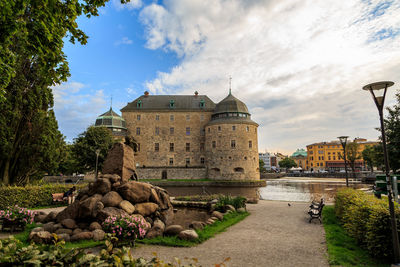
[38, 229]
[83, 225]
[112, 177]
[82, 192]
[42, 237]
[153, 232]
[109, 211]
[197, 225]
[98, 235]
[149, 220]
[230, 207]
[65, 237]
[77, 231]
[135, 192]
[57, 226]
[174, 229]
[115, 186]
[51, 216]
[97, 207]
[154, 196]
[49, 227]
[70, 212]
[84, 197]
[214, 219]
[241, 210]
[217, 214]
[120, 160]
[146, 208]
[40, 218]
[86, 207]
[127, 206]
[111, 199]
[101, 186]
[69, 223]
[158, 224]
[210, 221]
[165, 202]
[82, 236]
[188, 235]
[63, 231]
[94, 226]
[167, 216]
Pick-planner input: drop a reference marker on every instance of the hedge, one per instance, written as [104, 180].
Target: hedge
[31, 196]
[367, 219]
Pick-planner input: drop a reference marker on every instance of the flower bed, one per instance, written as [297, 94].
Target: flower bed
[16, 217]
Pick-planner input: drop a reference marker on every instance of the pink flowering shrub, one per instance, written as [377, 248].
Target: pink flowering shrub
[126, 226]
[16, 213]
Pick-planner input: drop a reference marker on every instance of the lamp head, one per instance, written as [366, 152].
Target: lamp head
[378, 91]
[343, 140]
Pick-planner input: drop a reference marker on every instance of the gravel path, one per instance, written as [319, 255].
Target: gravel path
[273, 235]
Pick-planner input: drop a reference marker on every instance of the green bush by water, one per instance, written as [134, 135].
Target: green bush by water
[367, 220]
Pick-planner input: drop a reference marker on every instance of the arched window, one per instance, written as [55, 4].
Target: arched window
[239, 169]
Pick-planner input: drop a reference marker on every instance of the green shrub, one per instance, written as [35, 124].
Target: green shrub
[31, 196]
[237, 202]
[367, 220]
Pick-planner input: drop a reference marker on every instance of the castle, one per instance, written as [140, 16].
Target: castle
[191, 137]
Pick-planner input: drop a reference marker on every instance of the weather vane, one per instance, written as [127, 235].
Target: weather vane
[230, 84]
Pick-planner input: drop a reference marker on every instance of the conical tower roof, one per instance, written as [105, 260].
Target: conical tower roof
[113, 121]
[231, 104]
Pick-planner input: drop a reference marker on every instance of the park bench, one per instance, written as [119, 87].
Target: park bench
[58, 197]
[315, 210]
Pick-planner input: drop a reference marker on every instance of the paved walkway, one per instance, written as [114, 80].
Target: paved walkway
[273, 235]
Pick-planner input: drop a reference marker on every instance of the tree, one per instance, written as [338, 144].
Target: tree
[287, 163]
[31, 61]
[85, 146]
[368, 155]
[352, 155]
[392, 128]
[261, 165]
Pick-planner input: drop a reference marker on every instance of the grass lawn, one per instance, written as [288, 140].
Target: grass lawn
[208, 232]
[342, 249]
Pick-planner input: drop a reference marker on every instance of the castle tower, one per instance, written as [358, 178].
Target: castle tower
[114, 122]
[231, 142]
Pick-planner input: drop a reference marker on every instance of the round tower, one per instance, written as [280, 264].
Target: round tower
[114, 122]
[231, 142]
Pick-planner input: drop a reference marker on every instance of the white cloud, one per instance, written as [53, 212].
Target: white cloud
[132, 4]
[124, 41]
[298, 65]
[76, 111]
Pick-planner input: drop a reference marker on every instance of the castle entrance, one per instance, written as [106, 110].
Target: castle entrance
[164, 174]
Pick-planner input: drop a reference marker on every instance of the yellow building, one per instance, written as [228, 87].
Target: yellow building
[326, 155]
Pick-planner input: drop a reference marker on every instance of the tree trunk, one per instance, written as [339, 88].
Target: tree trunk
[6, 177]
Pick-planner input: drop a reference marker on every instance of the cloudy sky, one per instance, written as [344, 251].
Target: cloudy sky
[298, 65]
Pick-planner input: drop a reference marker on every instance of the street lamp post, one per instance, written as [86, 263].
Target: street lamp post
[343, 141]
[97, 160]
[375, 89]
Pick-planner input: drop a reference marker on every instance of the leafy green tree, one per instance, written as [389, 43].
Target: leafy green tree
[31, 61]
[352, 155]
[368, 155]
[261, 165]
[85, 146]
[392, 128]
[287, 163]
[68, 165]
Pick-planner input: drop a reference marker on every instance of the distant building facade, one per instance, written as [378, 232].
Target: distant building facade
[300, 157]
[266, 158]
[191, 137]
[327, 155]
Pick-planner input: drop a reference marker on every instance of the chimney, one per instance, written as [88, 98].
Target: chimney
[146, 93]
[196, 93]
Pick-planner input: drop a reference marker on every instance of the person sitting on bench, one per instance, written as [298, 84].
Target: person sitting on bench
[69, 195]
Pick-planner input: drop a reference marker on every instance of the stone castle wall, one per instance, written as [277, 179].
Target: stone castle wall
[149, 136]
[227, 163]
[172, 173]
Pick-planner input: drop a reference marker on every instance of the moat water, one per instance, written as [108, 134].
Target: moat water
[306, 189]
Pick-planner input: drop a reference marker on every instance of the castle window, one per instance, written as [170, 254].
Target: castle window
[209, 129]
[188, 117]
[311, 164]
[138, 117]
[171, 130]
[187, 161]
[171, 103]
[219, 128]
[233, 128]
[239, 169]
[187, 147]
[187, 130]
[157, 117]
[171, 161]
[245, 158]
[317, 163]
[139, 104]
[214, 144]
[171, 117]
[202, 117]
[202, 104]
[171, 147]
[247, 128]
[202, 131]
[250, 144]
[201, 146]
[202, 161]
[156, 147]
[233, 144]
[157, 131]
[138, 131]
[138, 147]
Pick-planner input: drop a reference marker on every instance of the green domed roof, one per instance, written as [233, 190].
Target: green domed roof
[231, 104]
[113, 121]
[300, 152]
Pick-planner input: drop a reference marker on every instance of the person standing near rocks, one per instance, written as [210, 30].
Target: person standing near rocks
[70, 195]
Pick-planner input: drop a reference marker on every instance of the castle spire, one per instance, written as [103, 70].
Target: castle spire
[230, 85]
[111, 103]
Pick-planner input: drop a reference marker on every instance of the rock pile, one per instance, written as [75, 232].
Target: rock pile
[107, 196]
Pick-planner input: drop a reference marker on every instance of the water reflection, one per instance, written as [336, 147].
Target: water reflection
[304, 190]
